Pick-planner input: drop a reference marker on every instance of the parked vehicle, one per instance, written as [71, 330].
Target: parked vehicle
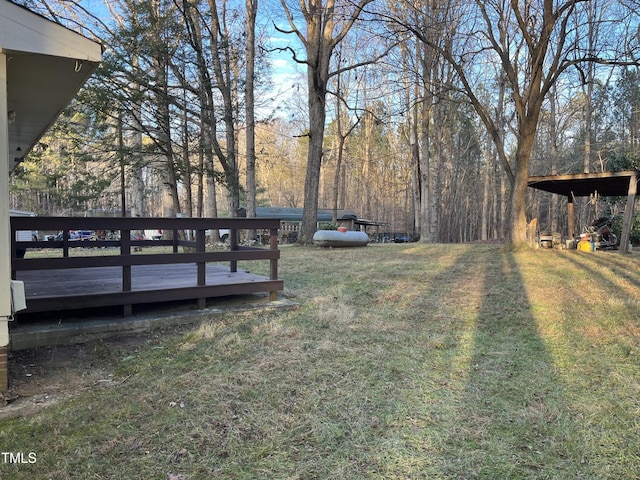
[153, 234]
[74, 235]
[223, 232]
[82, 235]
[224, 235]
[157, 234]
[24, 235]
[406, 238]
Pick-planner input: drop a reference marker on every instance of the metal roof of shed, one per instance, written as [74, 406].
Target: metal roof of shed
[287, 214]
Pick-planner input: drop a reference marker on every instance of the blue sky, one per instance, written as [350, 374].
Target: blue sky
[287, 76]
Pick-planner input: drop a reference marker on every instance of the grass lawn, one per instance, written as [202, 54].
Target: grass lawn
[404, 361]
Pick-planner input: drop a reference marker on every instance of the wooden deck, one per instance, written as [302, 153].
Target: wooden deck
[72, 289]
[125, 277]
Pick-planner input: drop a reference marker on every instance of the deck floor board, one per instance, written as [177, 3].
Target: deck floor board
[109, 279]
[64, 288]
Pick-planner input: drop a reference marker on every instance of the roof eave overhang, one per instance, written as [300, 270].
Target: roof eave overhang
[46, 66]
[24, 31]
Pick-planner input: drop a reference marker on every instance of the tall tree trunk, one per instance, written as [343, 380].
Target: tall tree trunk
[136, 164]
[517, 204]
[319, 39]
[486, 191]
[186, 158]
[425, 175]
[200, 183]
[222, 68]
[553, 133]
[317, 115]
[339, 141]
[170, 200]
[251, 7]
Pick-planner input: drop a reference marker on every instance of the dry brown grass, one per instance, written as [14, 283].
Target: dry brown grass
[401, 361]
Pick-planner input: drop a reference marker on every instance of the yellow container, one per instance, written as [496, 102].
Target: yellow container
[585, 246]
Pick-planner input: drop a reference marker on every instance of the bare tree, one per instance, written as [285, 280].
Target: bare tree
[533, 42]
[327, 24]
[212, 35]
[251, 8]
[223, 68]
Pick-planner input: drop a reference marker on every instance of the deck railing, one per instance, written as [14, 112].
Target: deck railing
[120, 232]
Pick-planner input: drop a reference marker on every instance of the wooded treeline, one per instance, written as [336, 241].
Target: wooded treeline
[427, 116]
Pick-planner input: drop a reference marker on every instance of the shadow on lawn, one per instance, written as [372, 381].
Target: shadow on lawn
[513, 418]
[606, 267]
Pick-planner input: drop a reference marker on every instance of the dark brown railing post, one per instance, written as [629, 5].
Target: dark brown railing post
[233, 246]
[65, 243]
[125, 251]
[273, 245]
[175, 241]
[202, 266]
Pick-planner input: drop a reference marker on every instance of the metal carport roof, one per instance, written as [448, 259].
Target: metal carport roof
[607, 184]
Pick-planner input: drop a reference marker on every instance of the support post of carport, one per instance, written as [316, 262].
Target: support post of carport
[628, 213]
[572, 220]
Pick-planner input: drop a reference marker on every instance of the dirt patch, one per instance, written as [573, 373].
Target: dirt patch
[41, 377]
